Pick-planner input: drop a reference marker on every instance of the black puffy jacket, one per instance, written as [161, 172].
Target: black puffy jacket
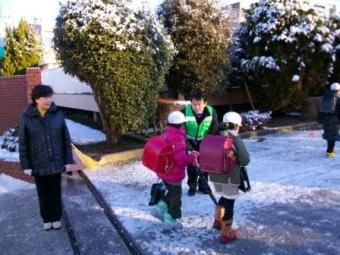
[330, 115]
[44, 143]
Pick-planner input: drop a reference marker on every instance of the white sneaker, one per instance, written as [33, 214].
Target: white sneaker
[155, 212]
[159, 209]
[47, 226]
[56, 224]
[170, 222]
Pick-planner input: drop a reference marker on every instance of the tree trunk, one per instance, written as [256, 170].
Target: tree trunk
[111, 136]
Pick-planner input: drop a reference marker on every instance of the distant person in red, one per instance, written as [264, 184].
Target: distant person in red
[45, 152]
[168, 209]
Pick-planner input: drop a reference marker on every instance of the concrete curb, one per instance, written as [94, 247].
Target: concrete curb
[137, 154]
[113, 158]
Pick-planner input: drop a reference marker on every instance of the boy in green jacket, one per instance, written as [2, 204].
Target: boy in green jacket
[201, 120]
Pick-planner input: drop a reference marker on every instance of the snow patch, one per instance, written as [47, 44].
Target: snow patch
[10, 184]
[326, 47]
[9, 156]
[295, 78]
[257, 39]
[82, 134]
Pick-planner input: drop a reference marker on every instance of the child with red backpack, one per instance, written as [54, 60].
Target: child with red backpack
[168, 209]
[227, 184]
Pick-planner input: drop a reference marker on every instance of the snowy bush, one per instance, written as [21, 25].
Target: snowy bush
[121, 53]
[283, 51]
[334, 23]
[200, 33]
[9, 140]
[251, 120]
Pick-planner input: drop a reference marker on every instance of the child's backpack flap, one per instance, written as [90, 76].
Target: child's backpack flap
[216, 154]
[158, 155]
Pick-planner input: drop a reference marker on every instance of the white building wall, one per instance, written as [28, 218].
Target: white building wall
[62, 82]
[76, 101]
[69, 91]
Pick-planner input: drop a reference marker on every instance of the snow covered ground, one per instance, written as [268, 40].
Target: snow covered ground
[9, 184]
[8, 156]
[293, 208]
[80, 134]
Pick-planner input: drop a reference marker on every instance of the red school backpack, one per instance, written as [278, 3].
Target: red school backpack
[158, 154]
[213, 154]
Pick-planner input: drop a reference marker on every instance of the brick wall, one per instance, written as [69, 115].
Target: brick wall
[33, 78]
[15, 93]
[13, 99]
[13, 169]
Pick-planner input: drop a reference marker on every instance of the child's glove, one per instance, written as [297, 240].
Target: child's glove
[196, 155]
[28, 171]
[231, 155]
[68, 167]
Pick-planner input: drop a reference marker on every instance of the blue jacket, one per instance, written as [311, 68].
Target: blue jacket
[44, 143]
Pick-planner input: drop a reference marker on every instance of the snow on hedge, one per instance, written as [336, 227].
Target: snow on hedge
[275, 21]
[287, 46]
[116, 20]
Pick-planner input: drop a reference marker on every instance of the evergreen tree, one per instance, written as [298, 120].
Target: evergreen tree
[121, 53]
[334, 24]
[283, 51]
[8, 63]
[200, 34]
[23, 49]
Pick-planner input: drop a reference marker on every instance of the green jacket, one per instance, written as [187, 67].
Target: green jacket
[243, 159]
[197, 128]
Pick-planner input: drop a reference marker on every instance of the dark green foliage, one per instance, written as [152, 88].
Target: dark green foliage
[200, 34]
[283, 51]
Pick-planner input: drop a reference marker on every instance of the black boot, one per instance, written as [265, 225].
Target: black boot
[192, 189]
[203, 185]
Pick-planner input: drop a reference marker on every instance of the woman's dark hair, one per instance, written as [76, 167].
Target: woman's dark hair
[199, 95]
[41, 91]
[175, 125]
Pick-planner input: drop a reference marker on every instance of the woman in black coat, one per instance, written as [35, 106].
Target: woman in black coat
[45, 152]
[330, 117]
